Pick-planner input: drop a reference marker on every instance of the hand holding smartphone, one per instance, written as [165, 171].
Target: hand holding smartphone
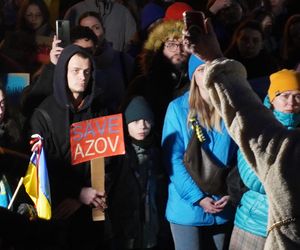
[199, 37]
[63, 32]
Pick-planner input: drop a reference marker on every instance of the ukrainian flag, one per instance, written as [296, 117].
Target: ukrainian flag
[37, 185]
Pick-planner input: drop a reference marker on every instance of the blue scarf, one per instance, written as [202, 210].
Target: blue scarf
[289, 120]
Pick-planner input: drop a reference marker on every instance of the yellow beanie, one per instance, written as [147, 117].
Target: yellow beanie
[283, 80]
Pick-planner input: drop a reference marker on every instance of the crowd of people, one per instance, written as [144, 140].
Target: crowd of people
[237, 81]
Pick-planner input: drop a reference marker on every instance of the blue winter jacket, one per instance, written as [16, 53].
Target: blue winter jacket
[184, 195]
[252, 213]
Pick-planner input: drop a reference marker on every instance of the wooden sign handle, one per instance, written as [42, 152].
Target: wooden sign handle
[97, 179]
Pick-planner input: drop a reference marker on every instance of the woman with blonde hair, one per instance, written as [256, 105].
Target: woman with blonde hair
[198, 220]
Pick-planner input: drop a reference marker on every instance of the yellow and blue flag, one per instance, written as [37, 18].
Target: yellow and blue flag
[37, 185]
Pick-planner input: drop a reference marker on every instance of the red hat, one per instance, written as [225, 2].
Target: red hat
[175, 11]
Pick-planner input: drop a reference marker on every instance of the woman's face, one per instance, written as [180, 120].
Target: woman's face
[2, 105]
[249, 43]
[199, 73]
[231, 14]
[287, 102]
[94, 24]
[34, 17]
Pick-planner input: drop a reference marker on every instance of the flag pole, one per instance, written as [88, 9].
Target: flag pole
[15, 193]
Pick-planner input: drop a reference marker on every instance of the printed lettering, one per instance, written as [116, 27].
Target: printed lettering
[91, 142]
[113, 147]
[89, 130]
[111, 126]
[104, 143]
[77, 134]
[78, 151]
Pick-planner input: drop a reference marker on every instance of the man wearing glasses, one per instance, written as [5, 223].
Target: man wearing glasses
[163, 63]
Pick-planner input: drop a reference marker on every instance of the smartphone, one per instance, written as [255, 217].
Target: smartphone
[63, 32]
[194, 21]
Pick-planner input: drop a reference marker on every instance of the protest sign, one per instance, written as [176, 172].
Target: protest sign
[94, 138]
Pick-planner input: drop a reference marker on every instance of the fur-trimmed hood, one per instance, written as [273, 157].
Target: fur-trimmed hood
[158, 36]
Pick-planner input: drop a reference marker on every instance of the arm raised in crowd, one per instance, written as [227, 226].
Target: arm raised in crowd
[250, 124]
[270, 149]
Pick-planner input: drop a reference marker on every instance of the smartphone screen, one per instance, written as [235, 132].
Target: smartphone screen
[194, 21]
[63, 32]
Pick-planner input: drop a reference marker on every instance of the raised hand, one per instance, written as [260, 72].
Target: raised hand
[203, 44]
[55, 50]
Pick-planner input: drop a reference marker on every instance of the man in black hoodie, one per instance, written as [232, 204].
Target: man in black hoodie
[74, 99]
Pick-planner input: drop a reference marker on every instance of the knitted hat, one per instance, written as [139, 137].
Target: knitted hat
[150, 13]
[138, 109]
[175, 11]
[194, 63]
[283, 80]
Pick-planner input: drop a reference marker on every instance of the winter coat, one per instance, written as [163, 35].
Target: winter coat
[118, 22]
[252, 213]
[184, 194]
[134, 196]
[271, 150]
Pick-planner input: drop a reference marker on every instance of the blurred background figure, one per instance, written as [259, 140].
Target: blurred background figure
[247, 46]
[291, 42]
[13, 160]
[266, 19]
[118, 22]
[33, 17]
[21, 48]
[151, 14]
[226, 15]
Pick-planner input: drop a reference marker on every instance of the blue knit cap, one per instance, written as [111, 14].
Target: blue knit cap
[150, 13]
[194, 63]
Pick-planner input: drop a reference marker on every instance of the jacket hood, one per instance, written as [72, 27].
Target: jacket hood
[60, 85]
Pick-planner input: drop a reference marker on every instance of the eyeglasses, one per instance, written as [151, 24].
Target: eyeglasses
[286, 96]
[172, 46]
